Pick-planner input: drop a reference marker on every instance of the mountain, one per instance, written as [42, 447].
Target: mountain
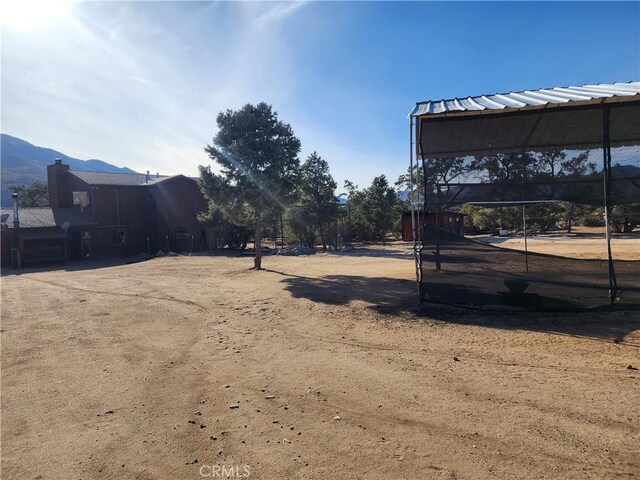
[23, 164]
[619, 170]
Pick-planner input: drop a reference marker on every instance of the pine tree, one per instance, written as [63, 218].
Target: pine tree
[259, 166]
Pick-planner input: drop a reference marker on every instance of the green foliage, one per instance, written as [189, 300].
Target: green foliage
[301, 226]
[585, 215]
[317, 198]
[487, 220]
[234, 236]
[549, 165]
[439, 172]
[550, 216]
[374, 211]
[556, 165]
[34, 195]
[358, 227]
[546, 167]
[479, 219]
[625, 218]
[317, 186]
[501, 167]
[259, 167]
[594, 220]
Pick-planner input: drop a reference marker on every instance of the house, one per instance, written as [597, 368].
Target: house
[97, 215]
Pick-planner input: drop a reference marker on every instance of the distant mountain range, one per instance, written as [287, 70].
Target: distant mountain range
[23, 164]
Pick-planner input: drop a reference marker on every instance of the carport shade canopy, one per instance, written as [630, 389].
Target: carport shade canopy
[573, 118]
[517, 122]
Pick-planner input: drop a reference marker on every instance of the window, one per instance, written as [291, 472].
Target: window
[81, 198]
[118, 236]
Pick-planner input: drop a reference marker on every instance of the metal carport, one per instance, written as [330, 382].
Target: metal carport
[602, 116]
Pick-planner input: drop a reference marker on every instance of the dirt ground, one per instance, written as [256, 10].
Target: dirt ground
[130, 372]
[580, 245]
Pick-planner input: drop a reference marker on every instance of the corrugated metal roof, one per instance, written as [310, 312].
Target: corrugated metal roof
[122, 179]
[527, 98]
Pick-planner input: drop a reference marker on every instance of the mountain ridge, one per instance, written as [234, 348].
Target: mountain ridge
[24, 163]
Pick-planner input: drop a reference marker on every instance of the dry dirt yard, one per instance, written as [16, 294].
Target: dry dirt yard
[130, 371]
[623, 247]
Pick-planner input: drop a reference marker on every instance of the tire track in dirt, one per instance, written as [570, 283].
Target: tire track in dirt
[491, 443]
[121, 294]
[377, 347]
[580, 420]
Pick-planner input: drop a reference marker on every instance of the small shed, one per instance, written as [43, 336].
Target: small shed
[448, 220]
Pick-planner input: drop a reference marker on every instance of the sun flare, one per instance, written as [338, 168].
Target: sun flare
[29, 14]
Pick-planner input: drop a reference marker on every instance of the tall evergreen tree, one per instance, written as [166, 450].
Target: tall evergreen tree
[259, 166]
[317, 193]
[380, 207]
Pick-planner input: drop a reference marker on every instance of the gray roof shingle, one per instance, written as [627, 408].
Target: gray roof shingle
[123, 179]
[31, 217]
[48, 217]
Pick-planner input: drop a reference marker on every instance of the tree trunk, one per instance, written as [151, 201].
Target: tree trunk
[322, 237]
[282, 230]
[257, 261]
[570, 219]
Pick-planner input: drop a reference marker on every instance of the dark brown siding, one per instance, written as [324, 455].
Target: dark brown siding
[131, 219]
[452, 222]
[45, 250]
[177, 201]
[5, 244]
[120, 208]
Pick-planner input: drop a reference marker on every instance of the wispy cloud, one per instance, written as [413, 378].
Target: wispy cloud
[144, 81]
[140, 84]
[124, 84]
[279, 12]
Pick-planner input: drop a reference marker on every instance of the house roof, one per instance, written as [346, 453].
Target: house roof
[121, 179]
[528, 98]
[124, 179]
[49, 217]
[31, 217]
[529, 121]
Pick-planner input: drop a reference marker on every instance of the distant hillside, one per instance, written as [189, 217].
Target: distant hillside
[23, 164]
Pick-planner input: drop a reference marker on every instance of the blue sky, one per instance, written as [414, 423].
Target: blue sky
[139, 84]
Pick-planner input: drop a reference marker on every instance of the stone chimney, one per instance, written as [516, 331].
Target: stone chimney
[57, 179]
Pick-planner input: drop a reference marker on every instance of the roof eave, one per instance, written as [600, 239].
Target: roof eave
[528, 108]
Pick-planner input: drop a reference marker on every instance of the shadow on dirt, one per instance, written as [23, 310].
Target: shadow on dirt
[605, 326]
[398, 297]
[93, 264]
[377, 252]
[389, 294]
